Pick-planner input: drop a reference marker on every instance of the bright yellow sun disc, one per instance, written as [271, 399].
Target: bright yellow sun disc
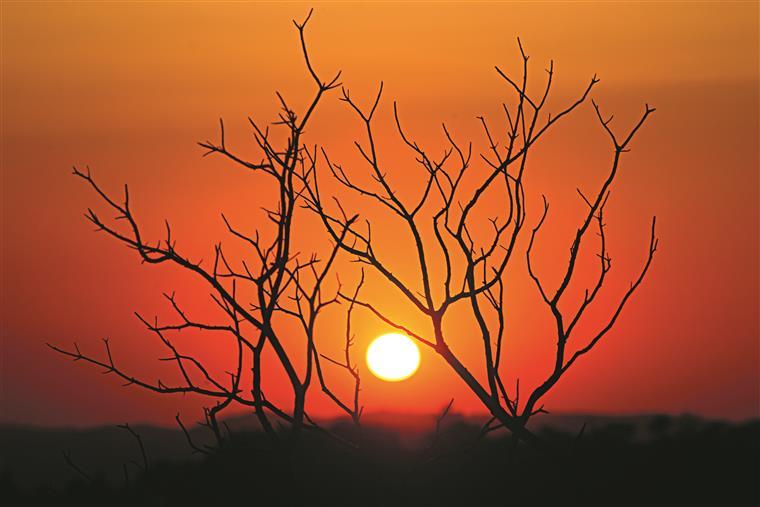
[393, 357]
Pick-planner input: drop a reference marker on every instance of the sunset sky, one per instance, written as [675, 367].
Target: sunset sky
[129, 88]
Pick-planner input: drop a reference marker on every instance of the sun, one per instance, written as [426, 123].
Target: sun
[393, 357]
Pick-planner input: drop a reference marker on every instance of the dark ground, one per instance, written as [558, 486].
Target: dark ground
[645, 460]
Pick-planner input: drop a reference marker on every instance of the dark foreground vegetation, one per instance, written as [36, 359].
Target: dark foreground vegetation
[643, 461]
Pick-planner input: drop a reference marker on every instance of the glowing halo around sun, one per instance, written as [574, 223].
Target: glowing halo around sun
[393, 357]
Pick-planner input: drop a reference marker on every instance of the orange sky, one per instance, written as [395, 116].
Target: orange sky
[129, 88]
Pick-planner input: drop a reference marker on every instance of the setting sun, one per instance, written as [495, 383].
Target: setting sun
[393, 357]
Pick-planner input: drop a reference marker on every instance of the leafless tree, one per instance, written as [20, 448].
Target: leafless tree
[475, 272]
[281, 283]
[145, 463]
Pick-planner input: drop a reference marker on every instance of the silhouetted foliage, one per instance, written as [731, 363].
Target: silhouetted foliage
[614, 463]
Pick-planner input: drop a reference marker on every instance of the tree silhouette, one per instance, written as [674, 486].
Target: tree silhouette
[484, 266]
[475, 271]
[282, 284]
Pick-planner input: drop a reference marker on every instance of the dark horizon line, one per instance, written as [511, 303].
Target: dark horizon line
[369, 415]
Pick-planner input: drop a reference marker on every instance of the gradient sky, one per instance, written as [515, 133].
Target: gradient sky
[129, 88]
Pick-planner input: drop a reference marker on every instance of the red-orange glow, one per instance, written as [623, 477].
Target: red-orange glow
[128, 89]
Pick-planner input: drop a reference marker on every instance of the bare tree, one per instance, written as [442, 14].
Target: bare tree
[475, 272]
[279, 280]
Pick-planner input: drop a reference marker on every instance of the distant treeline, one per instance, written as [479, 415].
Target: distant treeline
[656, 460]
